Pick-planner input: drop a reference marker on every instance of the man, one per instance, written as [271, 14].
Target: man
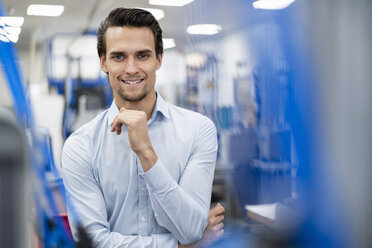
[140, 173]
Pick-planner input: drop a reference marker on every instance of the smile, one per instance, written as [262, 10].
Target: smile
[131, 82]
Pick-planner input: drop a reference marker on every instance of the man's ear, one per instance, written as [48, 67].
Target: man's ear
[159, 60]
[102, 62]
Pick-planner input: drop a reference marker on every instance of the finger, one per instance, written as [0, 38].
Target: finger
[122, 109]
[220, 226]
[216, 229]
[219, 218]
[113, 127]
[116, 126]
[216, 220]
[219, 234]
[217, 210]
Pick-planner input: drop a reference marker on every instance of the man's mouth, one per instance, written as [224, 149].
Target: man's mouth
[132, 82]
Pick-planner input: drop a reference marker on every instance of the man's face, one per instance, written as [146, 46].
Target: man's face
[131, 62]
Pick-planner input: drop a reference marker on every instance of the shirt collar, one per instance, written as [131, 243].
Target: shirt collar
[160, 106]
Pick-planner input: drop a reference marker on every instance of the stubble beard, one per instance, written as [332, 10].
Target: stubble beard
[135, 98]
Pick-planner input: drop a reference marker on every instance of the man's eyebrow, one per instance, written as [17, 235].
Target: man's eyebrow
[123, 53]
[116, 53]
[144, 51]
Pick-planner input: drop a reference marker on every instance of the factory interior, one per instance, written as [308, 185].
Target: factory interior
[287, 84]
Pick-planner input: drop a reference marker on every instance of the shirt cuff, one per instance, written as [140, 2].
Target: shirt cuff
[157, 178]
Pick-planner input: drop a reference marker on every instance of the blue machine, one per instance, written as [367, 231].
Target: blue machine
[78, 78]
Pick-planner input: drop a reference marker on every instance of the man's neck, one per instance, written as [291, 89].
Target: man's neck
[147, 104]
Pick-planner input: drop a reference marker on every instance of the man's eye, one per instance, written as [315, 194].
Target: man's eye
[143, 56]
[117, 57]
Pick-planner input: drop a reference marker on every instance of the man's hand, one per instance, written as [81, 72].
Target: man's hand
[136, 123]
[214, 230]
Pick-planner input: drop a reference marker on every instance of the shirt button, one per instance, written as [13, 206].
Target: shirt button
[143, 218]
[142, 188]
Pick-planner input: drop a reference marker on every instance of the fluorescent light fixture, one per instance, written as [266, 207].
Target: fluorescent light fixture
[157, 13]
[3, 32]
[45, 10]
[168, 43]
[12, 30]
[12, 37]
[272, 4]
[177, 3]
[3, 38]
[14, 21]
[10, 34]
[204, 29]
[196, 60]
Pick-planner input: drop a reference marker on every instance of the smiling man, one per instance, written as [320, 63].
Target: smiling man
[140, 174]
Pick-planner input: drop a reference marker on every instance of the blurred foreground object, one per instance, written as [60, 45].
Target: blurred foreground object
[13, 183]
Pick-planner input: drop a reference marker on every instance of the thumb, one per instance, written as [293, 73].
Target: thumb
[122, 109]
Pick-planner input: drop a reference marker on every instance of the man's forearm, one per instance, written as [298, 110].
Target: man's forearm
[214, 230]
[171, 202]
[148, 158]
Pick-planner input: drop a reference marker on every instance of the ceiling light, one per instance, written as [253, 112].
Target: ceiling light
[168, 43]
[272, 4]
[12, 37]
[178, 3]
[3, 38]
[196, 60]
[3, 32]
[205, 29]
[45, 10]
[12, 30]
[157, 13]
[9, 34]
[15, 21]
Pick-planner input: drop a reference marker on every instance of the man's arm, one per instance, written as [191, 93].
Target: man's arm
[136, 123]
[214, 230]
[180, 208]
[85, 198]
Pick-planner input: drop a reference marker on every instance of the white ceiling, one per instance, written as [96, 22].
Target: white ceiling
[76, 16]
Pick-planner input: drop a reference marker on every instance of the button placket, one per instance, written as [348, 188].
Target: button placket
[143, 229]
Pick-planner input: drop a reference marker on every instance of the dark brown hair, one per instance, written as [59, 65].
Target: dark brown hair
[132, 18]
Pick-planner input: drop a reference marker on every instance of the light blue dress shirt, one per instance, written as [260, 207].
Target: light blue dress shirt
[122, 206]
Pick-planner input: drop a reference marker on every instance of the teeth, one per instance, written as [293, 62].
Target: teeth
[132, 82]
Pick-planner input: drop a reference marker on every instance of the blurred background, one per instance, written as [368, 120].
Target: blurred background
[287, 84]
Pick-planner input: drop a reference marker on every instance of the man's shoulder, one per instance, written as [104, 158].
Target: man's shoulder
[188, 116]
[80, 145]
[194, 125]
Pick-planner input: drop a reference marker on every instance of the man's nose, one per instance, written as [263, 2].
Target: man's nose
[131, 66]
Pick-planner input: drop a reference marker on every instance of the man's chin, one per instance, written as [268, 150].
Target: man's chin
[132, 98]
